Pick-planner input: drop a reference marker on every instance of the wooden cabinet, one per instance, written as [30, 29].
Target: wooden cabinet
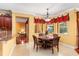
[21, 39]
[78, 30]
[1, 22]
[8, 23]
[5, 23]
[6, 26]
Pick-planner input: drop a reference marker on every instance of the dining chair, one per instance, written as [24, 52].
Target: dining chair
[41, 34]
[37, 43]
[55, 35]
[55, 43]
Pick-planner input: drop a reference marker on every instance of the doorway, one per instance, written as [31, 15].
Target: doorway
[77, 49]
[22, 30]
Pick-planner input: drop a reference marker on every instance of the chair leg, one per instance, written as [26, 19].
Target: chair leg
[57, 48]
[37, 48]
[34, 46]
[52, 50]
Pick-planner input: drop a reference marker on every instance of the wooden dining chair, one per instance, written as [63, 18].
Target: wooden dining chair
[37, 43]
[55, 43]
[55, 35]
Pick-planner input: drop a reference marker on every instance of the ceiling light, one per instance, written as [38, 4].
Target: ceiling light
[47, 16]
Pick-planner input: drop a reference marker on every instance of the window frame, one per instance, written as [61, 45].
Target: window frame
[53, 28]
[66, 27]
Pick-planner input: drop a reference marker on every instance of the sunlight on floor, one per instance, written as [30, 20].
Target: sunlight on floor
[27, 50]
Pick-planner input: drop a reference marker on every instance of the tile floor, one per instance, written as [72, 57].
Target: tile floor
[27, 50]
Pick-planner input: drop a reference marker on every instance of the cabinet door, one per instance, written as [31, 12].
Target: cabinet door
[1, 22]
[78, 29]
[8, 23]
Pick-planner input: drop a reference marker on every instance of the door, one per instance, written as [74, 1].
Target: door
[27, 29]
[22, 29]
[78, 29]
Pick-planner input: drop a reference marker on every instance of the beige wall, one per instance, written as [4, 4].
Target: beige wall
[44, 28]
[70, 37]
[31, 23]
[31, 29]
[1, 49]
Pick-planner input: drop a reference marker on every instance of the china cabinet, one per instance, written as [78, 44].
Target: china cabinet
[5, 26]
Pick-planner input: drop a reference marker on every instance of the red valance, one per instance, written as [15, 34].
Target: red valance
[39, 21]
[48, 22]
[63, 18]
[35, 20]
[59, 19]
[66, 18]
[54, 20]
[42, 21]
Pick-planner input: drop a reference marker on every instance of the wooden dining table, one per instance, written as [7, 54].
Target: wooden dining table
[46, 39]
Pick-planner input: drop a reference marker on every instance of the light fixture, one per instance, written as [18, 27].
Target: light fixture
[47, 16]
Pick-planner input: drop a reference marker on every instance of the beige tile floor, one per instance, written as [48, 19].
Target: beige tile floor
[27, 50]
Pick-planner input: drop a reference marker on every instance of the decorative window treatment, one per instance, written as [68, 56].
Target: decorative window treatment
[66, 18]
[60, 19]
[54, 20]
[39, 22]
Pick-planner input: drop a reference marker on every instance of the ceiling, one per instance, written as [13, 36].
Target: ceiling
[38, 8]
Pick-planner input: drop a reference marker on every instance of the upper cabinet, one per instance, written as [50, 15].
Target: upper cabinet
[5, 24]
[1, 21]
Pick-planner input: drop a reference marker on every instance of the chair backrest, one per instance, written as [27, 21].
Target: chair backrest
[35, 39]
[41, 34]
[56, 40]
[55, 35]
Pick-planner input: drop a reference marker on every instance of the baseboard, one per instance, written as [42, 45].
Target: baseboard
[67, 45]
[12, 50]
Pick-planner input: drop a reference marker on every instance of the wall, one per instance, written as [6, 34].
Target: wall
[1, 49]
[70, 37]
[31, 23]
[44, 28]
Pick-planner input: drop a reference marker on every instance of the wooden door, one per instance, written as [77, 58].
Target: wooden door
[27, 29]
[78, 29]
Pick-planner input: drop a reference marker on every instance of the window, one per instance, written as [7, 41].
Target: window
[63, 27]
[50, 28]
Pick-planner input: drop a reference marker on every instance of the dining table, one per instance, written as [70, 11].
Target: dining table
[46, 39]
